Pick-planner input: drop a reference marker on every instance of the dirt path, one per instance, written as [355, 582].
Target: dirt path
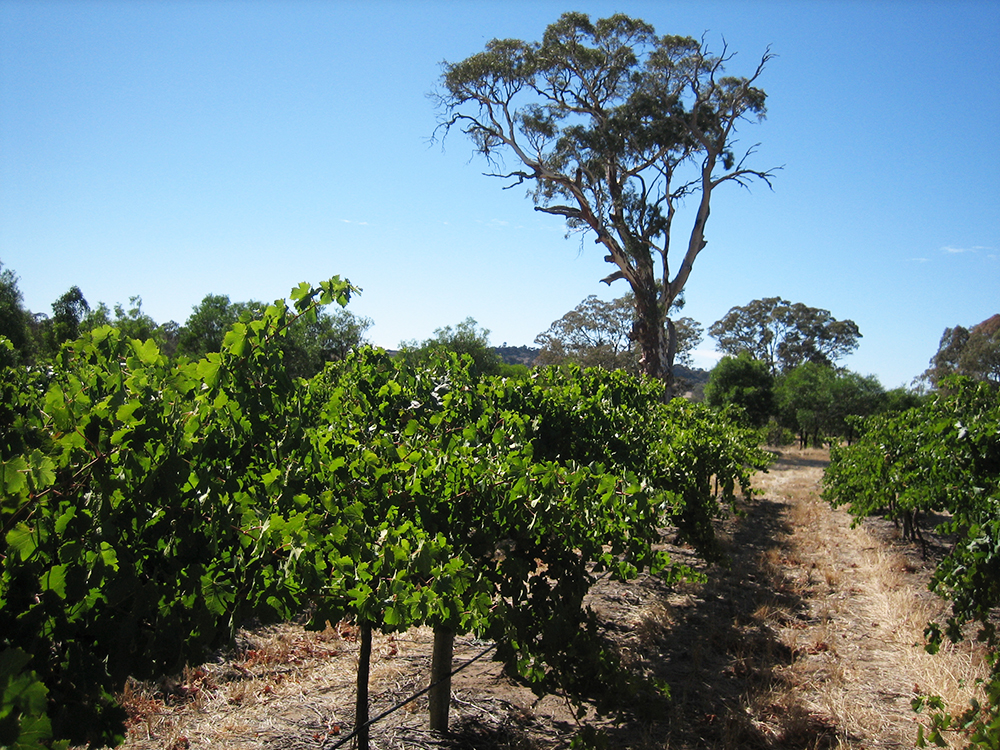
[810, 639]
[857, 636]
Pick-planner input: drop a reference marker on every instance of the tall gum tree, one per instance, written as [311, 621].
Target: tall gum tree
[613, 127]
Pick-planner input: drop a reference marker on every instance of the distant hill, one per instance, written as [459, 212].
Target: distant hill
[691, 374]
[517, 355]
[691, 382]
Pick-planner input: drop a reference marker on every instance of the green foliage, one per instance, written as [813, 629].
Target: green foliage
[944, 457]
[209, 322]
[901, 399]
[150, 506]
[594, 334]
[143, 515]
[819, 402]
[48, 334]
[745, 383]
[854, 396]
[979, 724]
[466, 338]
[24, 723]
[785, 335]
[805, 400]
[311, 343]
[308, 345]
[13, 316]
[133, 323]
[974, 353]
[599, 334]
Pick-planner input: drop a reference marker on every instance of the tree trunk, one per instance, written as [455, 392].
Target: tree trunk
[440, 694]
[364, 668]
[656, 337]
[670, 333]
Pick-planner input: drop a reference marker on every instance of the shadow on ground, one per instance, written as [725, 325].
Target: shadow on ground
[788, 460]
[714, 644]
[722, 657]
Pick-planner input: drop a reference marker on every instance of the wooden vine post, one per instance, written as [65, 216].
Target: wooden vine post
[440, 692]
[364, 668]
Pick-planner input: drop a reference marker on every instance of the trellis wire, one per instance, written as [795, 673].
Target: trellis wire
[409, 700]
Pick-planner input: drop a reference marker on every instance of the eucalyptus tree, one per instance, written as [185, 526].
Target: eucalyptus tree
[308, 345]
[597, 333]
[784, 335]
[973, 352]
[466, 338]
[804, 399]
[744, 382]
[210, 320]
[14, 318]
[613, 127]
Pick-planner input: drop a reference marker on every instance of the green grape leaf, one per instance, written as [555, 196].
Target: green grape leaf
[54, 579]
[109, 556]
[14, 474]
[392, 617]
[23, 540]
[208, 370]
[236, 339]
[217, 596]
[147, 351]
[301, 291]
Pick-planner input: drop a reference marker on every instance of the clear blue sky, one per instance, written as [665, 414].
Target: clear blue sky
[175, 149]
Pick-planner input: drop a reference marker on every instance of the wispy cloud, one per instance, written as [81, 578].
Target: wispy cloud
[359, 223]
[918, 260]
[959, 250]
[500, 224]
[494, 223]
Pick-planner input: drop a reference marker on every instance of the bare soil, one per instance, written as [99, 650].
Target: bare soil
[810, 638]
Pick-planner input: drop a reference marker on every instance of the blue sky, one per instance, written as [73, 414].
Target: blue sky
[175, 149]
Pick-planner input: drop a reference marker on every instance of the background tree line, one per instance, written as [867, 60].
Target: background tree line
[781, 369]
[780, 364]
[972, 352]
[37, 337]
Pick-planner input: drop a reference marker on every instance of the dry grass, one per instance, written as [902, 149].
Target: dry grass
[861, 658]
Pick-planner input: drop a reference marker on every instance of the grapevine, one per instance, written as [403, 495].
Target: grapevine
[150, 506]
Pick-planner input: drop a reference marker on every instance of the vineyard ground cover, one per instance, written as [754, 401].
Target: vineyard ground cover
[809, 640]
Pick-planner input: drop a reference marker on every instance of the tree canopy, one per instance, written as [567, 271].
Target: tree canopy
[973, 352]
[466, 338]
[744, 382]
[208, 323]
[785, 335]
[598, 333]
[13, 316]
[613, 127]
[68, 312]
[308, 344]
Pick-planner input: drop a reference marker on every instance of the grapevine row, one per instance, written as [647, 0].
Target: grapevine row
[152, 506]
